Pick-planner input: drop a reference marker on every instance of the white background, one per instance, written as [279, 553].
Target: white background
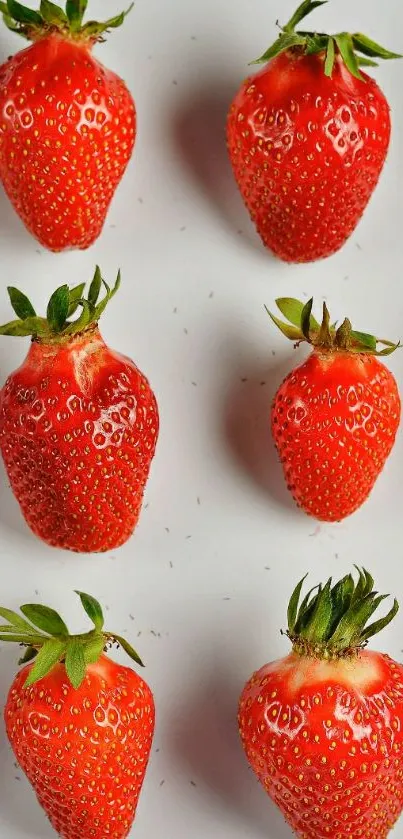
[207, 582]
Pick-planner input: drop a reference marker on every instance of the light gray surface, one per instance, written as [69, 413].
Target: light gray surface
[207, 580]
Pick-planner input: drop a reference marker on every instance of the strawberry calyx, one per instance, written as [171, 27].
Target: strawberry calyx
[325, 336]
[57, 326]
[331, 622]
[52, 19]
[48, 641]
[354, 50]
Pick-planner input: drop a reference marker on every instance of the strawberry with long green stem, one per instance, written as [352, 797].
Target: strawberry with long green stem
[335, 417]
[322, 728]
[80, 725]
[67, 126]
[78, 424]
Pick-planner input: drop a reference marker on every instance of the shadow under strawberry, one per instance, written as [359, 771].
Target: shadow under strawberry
[206, 742]
[246, 424]
[199, 135]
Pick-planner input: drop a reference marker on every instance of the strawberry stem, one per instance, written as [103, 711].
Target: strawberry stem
[57, 326]
[48, 641]
[302, 326]
[332, 620]
[51, 18]
[355, 50]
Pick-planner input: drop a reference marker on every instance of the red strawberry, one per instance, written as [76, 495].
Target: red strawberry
[67, 125]
[334, 418]
[80, 725]
[307, 139]
[323, 728]
[78, 425]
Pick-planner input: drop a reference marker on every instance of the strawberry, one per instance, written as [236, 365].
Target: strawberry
[322, 728]
[80, 725]
[334, 418]
[67, 124]
[308, 137]
[78, 425]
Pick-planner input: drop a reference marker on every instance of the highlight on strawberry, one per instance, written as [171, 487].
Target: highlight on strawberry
[335, 418]
[78, 424]
[80, 725]
[308, 137]
[68, 124]
[322, 728]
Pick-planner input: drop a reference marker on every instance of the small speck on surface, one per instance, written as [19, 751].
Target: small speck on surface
[37, 592]
[171, 565]
[346, 278]
[189, 537]
[167, 530]
[336, 556]
[186, 331]
[17, 778]
[273, 352]
[140, 200]
[240, 232]
[175, 310]
[267, 568]
[162, 782]
[107, 608]
[112, 226]
[193, 38]
[198, 500]
[194, 384]
[211, 295]
[358, 246]
[182, 228]
[262, 384]
[38, 251]
[226, 598]
[131, 617]
[316, 531]
[244, 379]
[174, 81]
[138, 634]
[146, 506]
[157, 750]
[193, 784]
[153, 632]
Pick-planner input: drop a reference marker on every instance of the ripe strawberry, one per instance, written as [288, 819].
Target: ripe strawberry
[67, 125]
[323, 728]
[78, 425]
[334, 418]
[308, 138]
[80, 725]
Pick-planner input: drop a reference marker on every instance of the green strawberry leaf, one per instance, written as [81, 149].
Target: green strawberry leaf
[52, 13]
[293, 605]
[15, 619]
[58, 308]
[49, 655]
[85, 318]
[303, 10]
[364, 340]
[93, 27]
[369, 47]
[292, 310]
[21, 304]
[75, 295]
[366, 62]
[75, 11]
[93, 650]
[22, 14]
[283, 43]
[345, 44]
[330, 58]
[75, 662]
[380, 624]
[93, 609]
[45, 619]
[22, 328]
[289, 331]
[95, 287]
[126, 647]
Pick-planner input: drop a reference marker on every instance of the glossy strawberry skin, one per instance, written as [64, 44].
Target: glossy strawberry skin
[67, 131]
[326, 742]
[84, 751]
[334, 422]
[307, 152]
[78, 430]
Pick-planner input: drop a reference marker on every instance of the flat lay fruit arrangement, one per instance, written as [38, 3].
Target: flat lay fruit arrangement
[303, 142]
